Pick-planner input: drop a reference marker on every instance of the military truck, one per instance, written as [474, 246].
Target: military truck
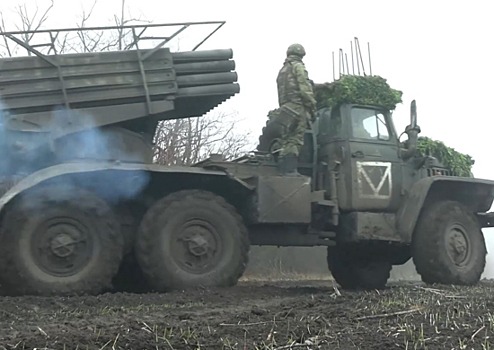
[81, 195]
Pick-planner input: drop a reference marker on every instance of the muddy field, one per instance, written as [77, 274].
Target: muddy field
[257, 315]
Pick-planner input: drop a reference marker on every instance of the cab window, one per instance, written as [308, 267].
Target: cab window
[335, 126]
[369, 124]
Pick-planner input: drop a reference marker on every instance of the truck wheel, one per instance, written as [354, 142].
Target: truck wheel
[354, 272]
[59, 240]
[448, 246]
[192, 238]
[268, 141]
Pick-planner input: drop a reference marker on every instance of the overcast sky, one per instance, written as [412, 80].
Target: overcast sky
[440, 53]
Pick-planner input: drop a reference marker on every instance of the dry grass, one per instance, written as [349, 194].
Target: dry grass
[285, 276]
[261, 316]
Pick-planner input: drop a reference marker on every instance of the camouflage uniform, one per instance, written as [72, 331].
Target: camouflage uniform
[296, 99]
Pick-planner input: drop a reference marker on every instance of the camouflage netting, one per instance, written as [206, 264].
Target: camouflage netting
[367, 90]
[459, 163]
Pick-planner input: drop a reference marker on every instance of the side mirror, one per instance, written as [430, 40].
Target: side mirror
[413, 114]
[412, 131]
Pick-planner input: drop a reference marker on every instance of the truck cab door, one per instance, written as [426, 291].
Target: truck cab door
[372, 160]
[360, 143]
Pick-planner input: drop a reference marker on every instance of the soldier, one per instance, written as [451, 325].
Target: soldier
[297, 102]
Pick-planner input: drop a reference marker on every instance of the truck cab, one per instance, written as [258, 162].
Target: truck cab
[362, 142]
[385, 203]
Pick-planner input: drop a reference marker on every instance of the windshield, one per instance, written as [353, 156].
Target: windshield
[369, 124]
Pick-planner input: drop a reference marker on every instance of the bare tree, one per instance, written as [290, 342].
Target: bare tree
[188, 141]
[27, 21]
[5, 45]
[107, 40]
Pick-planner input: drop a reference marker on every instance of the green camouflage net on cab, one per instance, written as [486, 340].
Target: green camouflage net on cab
[367, 90]
[375, 91]
[460, 164]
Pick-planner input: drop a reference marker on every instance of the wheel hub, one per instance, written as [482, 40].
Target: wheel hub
[196, 246]
[61, 246]
[458, 245]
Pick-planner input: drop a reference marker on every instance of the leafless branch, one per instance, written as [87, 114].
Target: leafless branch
[3, 29]
[27, 22]
[32, 23]
[188, 141]
[83, 36]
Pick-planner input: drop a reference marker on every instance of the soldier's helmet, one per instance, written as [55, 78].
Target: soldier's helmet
[295, 49]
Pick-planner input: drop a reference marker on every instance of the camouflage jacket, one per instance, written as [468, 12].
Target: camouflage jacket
[294, 85]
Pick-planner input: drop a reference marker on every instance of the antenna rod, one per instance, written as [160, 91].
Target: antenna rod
[356, 56]
[351, 52]
[342, 63]
[360, 54]
[346, 59]
[339, 64]
[369, 52]
[332, 53]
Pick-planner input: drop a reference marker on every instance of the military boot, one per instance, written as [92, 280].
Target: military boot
[288, 164]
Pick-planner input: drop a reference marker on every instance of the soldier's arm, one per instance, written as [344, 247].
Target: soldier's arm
[304, 85]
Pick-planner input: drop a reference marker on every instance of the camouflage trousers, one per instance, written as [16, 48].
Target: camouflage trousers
[294, 120]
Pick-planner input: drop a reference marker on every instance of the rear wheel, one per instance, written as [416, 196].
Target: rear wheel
[354, 271]
[192, 238]
[59, 240]
[448, 245]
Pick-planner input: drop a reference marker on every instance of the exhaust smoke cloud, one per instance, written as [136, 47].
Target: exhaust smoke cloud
[22, 153]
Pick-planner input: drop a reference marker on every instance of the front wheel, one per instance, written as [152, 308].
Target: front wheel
[192, 238]
[448, 246]
[353, 270]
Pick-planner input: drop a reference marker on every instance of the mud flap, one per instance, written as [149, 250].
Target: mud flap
[486, 219]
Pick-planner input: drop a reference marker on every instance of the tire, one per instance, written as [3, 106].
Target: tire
[268, 141]
[448, 246]
[192, 238]
[355, 272]
[59, 240]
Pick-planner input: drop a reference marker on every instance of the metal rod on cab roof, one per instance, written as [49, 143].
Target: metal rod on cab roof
[351, 52]
[369, 53]
[342, 59]
[357, 46]
[332, 54]
[346, 59]
[339, 63]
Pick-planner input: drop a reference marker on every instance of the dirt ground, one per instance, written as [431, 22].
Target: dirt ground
[257, 315]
